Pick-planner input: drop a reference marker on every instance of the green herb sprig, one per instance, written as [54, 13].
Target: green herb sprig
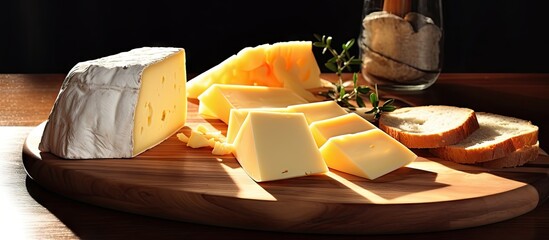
[340, 62]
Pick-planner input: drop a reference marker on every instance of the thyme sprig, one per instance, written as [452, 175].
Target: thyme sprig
[340, 62]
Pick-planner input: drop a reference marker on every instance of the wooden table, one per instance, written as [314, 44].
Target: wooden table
[29, 211]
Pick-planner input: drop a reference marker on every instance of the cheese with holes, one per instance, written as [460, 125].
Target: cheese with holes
[369, 154]
[316, 111]
[285, 64]
[344, 124]
[118, 106]
[273, 146]
[219, 99]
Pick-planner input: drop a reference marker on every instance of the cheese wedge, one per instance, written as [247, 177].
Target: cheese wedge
[272, 65]
[369, 154]
[219, 99]
[272, 146]
[237, 117]
[323, 130]
[318, 110]
[118, 106]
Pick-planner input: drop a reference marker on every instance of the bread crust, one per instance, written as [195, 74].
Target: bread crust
[515, 159]
[496, 149]
[445, 137]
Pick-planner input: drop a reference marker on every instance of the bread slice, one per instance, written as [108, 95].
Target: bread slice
[429, 126]
[497, 137]
[515, 159]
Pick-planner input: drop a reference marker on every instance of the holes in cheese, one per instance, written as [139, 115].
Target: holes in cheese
[369, 154]
[273, 146]
[155, 90]
[219, 99]
[118, 106]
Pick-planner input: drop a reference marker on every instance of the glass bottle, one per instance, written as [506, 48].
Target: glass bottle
[401, 43]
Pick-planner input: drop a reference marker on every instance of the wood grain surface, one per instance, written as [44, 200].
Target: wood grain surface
[30, 211]
[175, 182]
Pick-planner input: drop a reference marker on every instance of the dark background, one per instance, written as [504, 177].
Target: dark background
[39, 36]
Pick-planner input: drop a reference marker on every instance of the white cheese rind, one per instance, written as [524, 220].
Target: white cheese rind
[93, 115]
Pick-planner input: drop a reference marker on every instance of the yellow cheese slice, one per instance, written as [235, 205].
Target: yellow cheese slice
[162, 105]
[237, 117]
[345, 124]
[256, 66]
[198, 140]
[313, 112]
[369, 154]
[219, 99]
[222, 148]
[318, 110]
[272, 146]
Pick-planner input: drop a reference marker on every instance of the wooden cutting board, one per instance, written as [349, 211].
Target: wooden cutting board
[175, 182]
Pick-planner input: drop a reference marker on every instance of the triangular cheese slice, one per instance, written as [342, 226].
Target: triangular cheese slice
[273, 145]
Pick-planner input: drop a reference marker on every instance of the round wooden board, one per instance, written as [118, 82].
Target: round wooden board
[175, 182]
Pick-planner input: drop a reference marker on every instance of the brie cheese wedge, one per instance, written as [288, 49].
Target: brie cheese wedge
[118, 106]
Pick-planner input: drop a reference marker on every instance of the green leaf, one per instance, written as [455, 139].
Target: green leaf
[331, 66]
[363, 89]
[360, 102]
[350, 43]
[389, 108]
[388, 102]
[319, 44]
[346, 66]
[374, 100]
[355, 79]
[329, 41]
[371, 111]
[332, 60]
[341, 92]
[355, 62]
[347, 104]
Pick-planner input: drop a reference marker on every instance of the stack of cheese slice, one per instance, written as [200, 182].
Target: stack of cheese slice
[290, 65]
[313, 112]
[118, 106]
[267, 146]
[218, 100]
[275, 142]
[351, 144]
